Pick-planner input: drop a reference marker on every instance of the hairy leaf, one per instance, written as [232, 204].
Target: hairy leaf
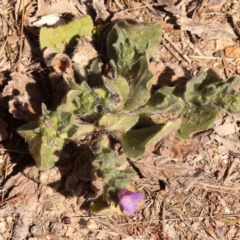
[195, 119]
[140, 34]
[118, 124]
[164, 100]
[112, 168]
[59, 38]
[118, 88]
[33, 139]
[227, 96]
[135, 141]
[194, 94]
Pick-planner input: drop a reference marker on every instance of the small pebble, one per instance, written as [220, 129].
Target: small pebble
[9, 220]
[2, 227]
[232, 52]
[227, 210]
[182, 225]
[36, 230]
[91, 224]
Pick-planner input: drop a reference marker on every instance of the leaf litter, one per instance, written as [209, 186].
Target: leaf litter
[191, 187]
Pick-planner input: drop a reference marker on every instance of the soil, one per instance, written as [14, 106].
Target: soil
[191, 187]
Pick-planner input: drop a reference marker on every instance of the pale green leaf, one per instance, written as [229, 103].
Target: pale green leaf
[59, 38]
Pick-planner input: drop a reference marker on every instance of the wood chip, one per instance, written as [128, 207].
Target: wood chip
[232, 52]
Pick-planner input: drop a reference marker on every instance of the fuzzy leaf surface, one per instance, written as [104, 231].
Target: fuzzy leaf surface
[112, 169]
[140, 86]
[50, 152]
[118, 123]
[227, 96]
[200, 89]
[164, 100]
[195, 119]
[58, 38]
[119, 88]
[140, 33]
[33, 139]
[135, 141]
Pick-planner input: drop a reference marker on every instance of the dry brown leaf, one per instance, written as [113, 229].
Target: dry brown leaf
[148, 169]
[84, 53]
[60, 62]
[216, 5]
[100, 9]
[123, 15]
[204, 31]
[57, 7]
[188, 182]
[176, 148]
[23, 97]
[225, 129]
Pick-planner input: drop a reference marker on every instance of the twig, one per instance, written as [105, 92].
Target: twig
[6, 166]
[8, 50]
[112, 227]
[12, 150]
[230, 169]
[234, 154]
[21, 37]
[5, 9]
[216, 186]
[164, 221]
[225, 64]
[3, 46]
[12, 200]
[190, 218]
[211, 58]
[170, 50]
[177, 48]
[145, 6]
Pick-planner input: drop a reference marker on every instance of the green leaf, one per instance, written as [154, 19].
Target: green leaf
[227, 96]
[102, 208]
[44, 109]
[69, 104]
[140, 85]
[112, 169]
[44, 150]
[164, 100]
[88, 103]
[135, 141]
[59, 38]
[95, 73]
[206, 81]
[119, 88]
[139, 33]
[33, 139]
[83, 130]
[195, 119]
[51, 149]
[118, 123]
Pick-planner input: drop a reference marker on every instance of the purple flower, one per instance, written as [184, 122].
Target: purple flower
[48, 123]
[129, 200]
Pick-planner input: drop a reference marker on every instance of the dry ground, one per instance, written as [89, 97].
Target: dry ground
[191, 187]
